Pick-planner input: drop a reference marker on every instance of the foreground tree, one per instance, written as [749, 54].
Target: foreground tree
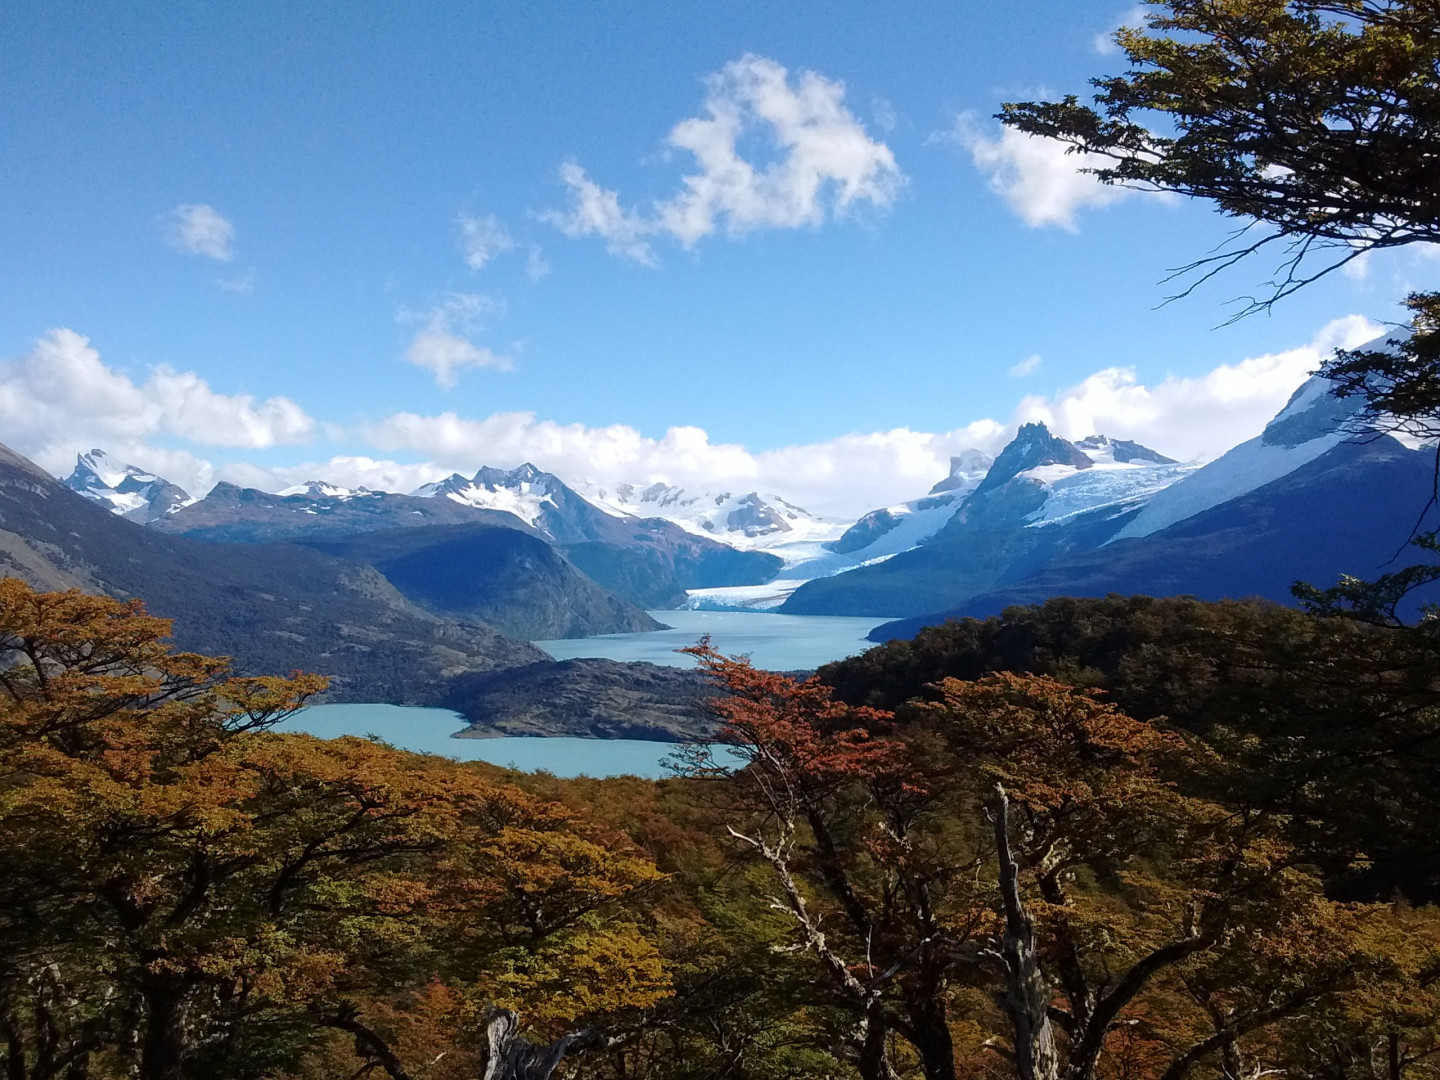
[1317, 121]
[827, 801]
[183, 892]
[1017, 836]
[1117, 890]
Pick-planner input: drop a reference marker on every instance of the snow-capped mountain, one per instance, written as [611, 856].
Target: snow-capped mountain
[644, 556]
[321, 489]
[1042, 497]
[745, 520]
[313, 511]
[526, 492]
[1041, 493]
[1115, 477]
[1310, 499]
[1068, 478]
[127, 490]
[897, 528]
[648, 561]
[1041, 479]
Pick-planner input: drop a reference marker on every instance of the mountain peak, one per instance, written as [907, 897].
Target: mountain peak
[1312, 412]
[1121, 451]
[1032, 447]
[527, 473]
[124, 489]
[527, 492]
[453, 482]
[323, 489]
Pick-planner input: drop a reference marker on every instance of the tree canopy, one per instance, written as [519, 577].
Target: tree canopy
[184, 892]
[1315, 121]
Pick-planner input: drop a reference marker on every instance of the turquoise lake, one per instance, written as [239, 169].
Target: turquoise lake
[778, 642]
[429, 731]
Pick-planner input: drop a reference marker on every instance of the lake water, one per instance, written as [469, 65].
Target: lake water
[777, 642]
[429, 731]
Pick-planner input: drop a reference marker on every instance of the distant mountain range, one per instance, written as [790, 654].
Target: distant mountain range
[1310, 499]
[745, 520]
[1346, 511]
[276, 607]
[649, 562]
[1040, 499]
[522, 551]
[273, 607]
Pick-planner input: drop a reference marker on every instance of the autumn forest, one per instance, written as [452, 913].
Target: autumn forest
[1119, 838]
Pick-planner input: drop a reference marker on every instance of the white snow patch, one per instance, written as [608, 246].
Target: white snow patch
[1248, 466]
[1116, 484]
[748, 520]
[321, 489]
[119, 502]
[525, 501]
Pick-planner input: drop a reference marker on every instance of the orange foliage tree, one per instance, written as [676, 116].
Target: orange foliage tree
[184, 892]
[1014, 864]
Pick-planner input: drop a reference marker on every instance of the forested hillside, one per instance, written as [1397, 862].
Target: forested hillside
[1023, 848]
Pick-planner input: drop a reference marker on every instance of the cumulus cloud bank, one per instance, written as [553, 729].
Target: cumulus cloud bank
[199, 229]
[1187, 417]
[442, 345]
[825, 164]
[61, 399]
[1197, 417]
[1041, 182]
[840, 476]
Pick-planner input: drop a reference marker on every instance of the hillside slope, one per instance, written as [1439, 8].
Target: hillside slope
[273, 607]
[501, 576]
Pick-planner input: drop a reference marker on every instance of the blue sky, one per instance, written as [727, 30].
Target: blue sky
[254, 213]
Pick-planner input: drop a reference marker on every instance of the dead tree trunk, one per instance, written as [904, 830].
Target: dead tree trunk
[1027, 995]
[514, 1057]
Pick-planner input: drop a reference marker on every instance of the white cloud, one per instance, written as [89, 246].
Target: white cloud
[1104, 43]
[482, 238]
[62, 399]
[1197, 417]
[825, 164]
[847, 475]
[1027, 366]
[198, 229]
[1194, 417]
[442, 345]
[1037, 177]
[535, 265]
[596, 211]
[346, 470]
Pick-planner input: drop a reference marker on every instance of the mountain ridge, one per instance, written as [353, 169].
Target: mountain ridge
[274, 608]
